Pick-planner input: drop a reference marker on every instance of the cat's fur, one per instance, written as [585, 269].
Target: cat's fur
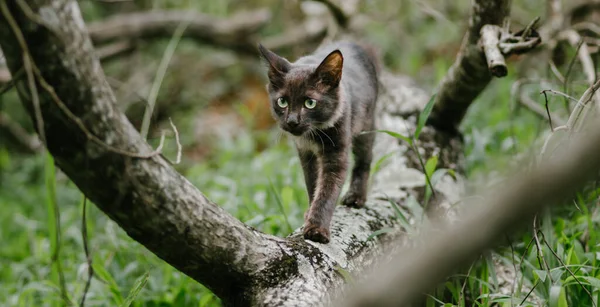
[342, 78]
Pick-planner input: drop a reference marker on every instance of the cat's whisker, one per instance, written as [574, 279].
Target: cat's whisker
[322, 143]
[332, 143]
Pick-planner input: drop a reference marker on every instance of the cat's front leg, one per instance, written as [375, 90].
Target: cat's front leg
[310, 168]
[333, 169]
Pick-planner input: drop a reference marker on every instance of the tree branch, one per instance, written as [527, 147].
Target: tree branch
[152, 202]
[469, 74]
[234, 33]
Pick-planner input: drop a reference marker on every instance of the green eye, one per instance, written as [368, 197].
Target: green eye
[310, 103]
[281, 102]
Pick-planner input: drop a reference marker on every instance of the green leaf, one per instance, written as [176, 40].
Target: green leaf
[137, 287]
[206, 299]
[424, 116]
[430, 166]
[105, 276]
[393, 134]
[558, 297]
[380, 161]
[379, 232]
[345, 274]
[541, 274]
[584, 280]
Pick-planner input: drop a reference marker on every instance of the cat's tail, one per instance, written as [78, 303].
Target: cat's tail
[373, 54]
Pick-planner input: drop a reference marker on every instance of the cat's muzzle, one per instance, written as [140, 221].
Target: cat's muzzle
[296, 130]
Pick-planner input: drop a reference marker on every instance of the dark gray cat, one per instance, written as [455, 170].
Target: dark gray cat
[325, 100]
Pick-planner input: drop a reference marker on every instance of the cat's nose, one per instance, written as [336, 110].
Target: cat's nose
[292, 121]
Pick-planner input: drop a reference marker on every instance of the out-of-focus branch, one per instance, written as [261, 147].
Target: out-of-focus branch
[338, 14]
[530, 104]
[481, 56]
[583, 54]
[313, 32]
[469, 74]
[413, 272]
[235, 32]
[19, 136]
[112, 50]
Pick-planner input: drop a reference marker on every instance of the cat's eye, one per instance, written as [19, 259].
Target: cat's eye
[281, 102]
[310, 103]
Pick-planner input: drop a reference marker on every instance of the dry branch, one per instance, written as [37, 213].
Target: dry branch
[20, 136]
[480, 57]
[235, 32]
[469, 74]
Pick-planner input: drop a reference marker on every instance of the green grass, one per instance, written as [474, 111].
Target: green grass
[29, 231]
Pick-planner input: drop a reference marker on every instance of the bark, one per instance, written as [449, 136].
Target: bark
[101, 152]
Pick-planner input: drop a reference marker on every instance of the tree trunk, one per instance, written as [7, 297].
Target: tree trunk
[100, 151]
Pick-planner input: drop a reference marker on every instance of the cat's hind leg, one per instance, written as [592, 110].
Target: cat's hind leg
[362, 148]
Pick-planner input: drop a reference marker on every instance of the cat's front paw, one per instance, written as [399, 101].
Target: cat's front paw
[354, 200]
[316, 234]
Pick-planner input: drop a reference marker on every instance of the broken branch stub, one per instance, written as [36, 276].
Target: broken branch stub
[497, 43]
[490, 38]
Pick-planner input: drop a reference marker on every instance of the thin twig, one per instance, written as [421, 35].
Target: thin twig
[29, 142]
[540, 253]
[39, 120]
[548, 111]
[179, 147]
[568, 73]
[12, 82]
[464, 285]
[50, 90]
[556, 72]
[534, 107]
[559, 94]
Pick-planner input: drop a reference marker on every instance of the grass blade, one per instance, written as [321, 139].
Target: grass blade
[424, 116]
[54, 225]
[393, 134]
[137, 287]
[280, 204]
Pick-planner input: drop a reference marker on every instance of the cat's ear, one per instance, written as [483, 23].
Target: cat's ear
[278, 66]
[330, 70]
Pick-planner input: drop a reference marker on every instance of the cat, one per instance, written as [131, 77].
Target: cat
[325, 100]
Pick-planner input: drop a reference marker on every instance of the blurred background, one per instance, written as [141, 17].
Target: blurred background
[213, 90]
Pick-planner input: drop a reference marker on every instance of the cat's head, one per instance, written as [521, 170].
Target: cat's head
[304, 97]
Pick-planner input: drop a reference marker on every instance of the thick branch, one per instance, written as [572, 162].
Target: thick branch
[469, 75]
[152, 202]
[235, 32]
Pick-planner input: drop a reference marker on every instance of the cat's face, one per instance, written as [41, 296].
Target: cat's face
[304, 97]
